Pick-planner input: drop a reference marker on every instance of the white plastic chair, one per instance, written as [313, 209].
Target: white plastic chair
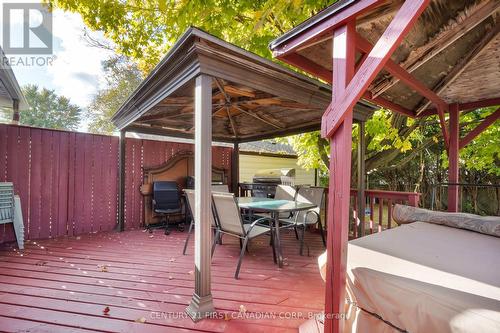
[10, 211]
[231, 223]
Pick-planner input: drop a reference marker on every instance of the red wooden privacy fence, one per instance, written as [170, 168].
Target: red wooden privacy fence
[68, 181]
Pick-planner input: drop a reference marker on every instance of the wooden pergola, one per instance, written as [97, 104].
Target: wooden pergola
[211, 90]
[414, 57]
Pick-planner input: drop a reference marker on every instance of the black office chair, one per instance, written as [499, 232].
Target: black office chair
[166, 200]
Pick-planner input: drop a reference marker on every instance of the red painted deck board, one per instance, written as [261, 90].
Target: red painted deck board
[59, 285]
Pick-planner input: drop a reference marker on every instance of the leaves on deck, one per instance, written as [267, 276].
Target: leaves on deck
[106, 311]
[140, 320]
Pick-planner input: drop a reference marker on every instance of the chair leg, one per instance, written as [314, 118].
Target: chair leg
[18, 223]
[302, 239]
[273, 246]
[214, 242]
[296, 234]
[322, 232]
[167, 230]
[187, 238]
[242, 253]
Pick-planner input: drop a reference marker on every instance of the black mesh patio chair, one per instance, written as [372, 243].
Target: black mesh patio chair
[166, 201]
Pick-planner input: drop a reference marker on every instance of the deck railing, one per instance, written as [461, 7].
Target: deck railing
[379, 205]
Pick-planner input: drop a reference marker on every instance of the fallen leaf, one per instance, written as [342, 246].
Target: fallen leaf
[104, 268]
[227, 317]
[106, 311]
[243, 309]
[151, 236]
[41, 263]
[140, 320]
[170, 277]
[172, 259]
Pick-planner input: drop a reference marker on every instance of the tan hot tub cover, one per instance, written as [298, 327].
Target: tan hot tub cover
[423, 277]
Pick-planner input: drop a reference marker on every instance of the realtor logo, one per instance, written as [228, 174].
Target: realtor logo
[33, 35]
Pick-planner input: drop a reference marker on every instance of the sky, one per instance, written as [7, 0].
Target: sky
[75, 71]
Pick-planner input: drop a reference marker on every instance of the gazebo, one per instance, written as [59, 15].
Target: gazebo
[210, 90]
[417, 58]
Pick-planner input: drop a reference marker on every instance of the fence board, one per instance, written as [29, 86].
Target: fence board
[68, 181]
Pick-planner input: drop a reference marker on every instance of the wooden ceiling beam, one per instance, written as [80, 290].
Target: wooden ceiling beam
[403, 75]
[465, 22]
[462, 64]
[275, 123]
[231, 122]
[239, 91]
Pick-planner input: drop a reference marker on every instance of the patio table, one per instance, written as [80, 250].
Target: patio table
[274, 207]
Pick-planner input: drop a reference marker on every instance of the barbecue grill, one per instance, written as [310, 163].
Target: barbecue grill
[265, 181]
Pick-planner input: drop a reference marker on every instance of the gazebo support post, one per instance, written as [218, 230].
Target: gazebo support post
[121, 182]
[15, 113]
[361, 179]
[348, 88]
[339, 185]
[453, 151]
[201, 304]
[235, 169]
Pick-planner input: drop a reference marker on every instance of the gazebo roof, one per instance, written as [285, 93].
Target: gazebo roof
[453, 51]
[252, 98]
[9, 88]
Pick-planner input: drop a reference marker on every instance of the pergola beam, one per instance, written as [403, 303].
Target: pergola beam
[442, 124]
[323, 28]
[465, 106]
[462, 64]
[388, 104]
[309, 66]
[466, 21]
[391, 38]
[400, 73]
[485, 123]
[321, 72]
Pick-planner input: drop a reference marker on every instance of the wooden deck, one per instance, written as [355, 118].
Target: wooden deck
[138, 282]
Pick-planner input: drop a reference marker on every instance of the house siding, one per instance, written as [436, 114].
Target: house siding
[250, 164]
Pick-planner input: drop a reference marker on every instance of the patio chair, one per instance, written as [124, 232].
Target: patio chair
[10, 211]
[220, 188]
[231, 223]
[190, 206]
[303, 219]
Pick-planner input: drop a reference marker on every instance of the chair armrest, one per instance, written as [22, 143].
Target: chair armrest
[318, 217]
[256, 222]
